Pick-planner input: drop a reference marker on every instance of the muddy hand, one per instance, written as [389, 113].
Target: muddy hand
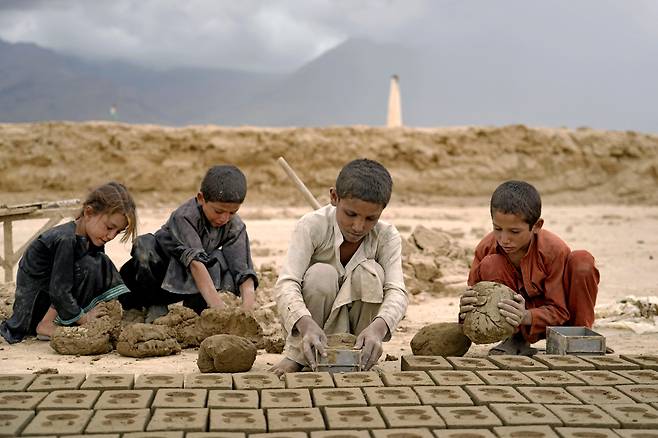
[313, 339]
[514, 311]
[370, 343]
[466, 302]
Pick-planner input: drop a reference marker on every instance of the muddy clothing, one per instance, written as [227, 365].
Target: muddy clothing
[63, 270]
[313, 282]
[558, 285]
[159, 269]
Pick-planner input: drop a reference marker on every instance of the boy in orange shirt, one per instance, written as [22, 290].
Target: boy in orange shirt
[555, 286]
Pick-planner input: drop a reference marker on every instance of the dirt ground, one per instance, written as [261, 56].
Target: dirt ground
[623, 239]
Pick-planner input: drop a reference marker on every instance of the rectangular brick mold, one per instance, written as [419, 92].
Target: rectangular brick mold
[553, 378]
[596, 395]
[486, 394]
[258, 381]
[564, 363]
[49, 382]
[294, 419]
[357, 379]
[583, 416]
[601, 377]
[423, 363]
[15, 382]
[411, 416]
[66, 399]
[518, 363]
[455, 378]
[20, 400]
[525, 431]
[208, 381]
[610, 363]
[416, 432]
[108, 381]
[67, 422]
[146, 381]
[635, 415]
[233, 399]
[126, 420]
[548, 395]
[238, 420]
[13, 422]
[640, 376]
[285, 398]
[468, 416]
[391, 396]
[309, 380]
[471, 363]
[505, 377]
[124, 399]
[463, 433]
[343, 397]
[190, 419]
[354, 418]
[180, 398]
[443, 396]
[574, 340]
[525, 414]
[646, 361]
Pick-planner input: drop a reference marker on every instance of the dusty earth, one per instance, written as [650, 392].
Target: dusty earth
[600, 194]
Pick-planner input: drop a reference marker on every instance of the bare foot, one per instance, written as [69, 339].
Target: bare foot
[515, 345]
[286, 365]
[46, 329]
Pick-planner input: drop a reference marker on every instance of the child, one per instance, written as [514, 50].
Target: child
[201, 249]
[343, 272]
[555, 286]
[64, 273]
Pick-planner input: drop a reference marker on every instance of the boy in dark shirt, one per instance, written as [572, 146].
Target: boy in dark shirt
[202, 248]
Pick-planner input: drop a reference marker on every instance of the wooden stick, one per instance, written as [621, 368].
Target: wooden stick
[299, 184]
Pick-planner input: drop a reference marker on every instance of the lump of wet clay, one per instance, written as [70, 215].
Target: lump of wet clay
[440, 339]
[228, 321]
[183, 322]
[484, 324]
[147, 340]
[226, 354]
[341, 340]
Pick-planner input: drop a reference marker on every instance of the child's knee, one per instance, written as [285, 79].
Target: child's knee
[581, 262]
[321, 278]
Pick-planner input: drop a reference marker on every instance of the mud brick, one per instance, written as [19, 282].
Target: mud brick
[468, 416]
[215, 435]
[237, 420]
[20, 400]
[553, 378]
[443, 396]
[524, 414]
[357, 379]
[49, 382]
[406, 378]
[485, 394]
[548, 395]
[277, 435]
[637, 433]
[583, 415]
[96, 435]
[125, 399]
[108, 381]
[13, 422]
[505, 377]
[160, 434]
[392, 396]
[633, 415]
[208, 381]
[646, 361]
[411, 416]
[15, 382]
[146, 381]
[471, 363]
[518, 363]
[610, 363]
[186, 419]
[354, 418]
[180, 398]
[338, 397]
[294, 419]
[118, 420]
[285, 398]
[66, 422]
[533, 431]
[233, 399]
[649, 377]
[582, 432]
[340, 434]
[423, 363]
[641, 393]
[601, 377]
[258, 381]
[463, 433]
[416, 432]
[563, 362]
[309, 380]
[596, 395]
[455, 378]
[63, 399]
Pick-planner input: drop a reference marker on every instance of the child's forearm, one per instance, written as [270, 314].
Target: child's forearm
[247, 293]
[205, 284]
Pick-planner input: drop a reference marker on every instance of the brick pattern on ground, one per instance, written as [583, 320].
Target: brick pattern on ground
[543, 396]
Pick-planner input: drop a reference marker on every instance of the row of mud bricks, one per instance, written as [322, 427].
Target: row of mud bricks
[459, 397]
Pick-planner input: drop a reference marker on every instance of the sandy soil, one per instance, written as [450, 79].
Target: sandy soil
[622, 238]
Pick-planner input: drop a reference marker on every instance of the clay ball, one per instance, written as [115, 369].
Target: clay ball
[484, 324]
[147, 340]
[440, 339]
[226, 354]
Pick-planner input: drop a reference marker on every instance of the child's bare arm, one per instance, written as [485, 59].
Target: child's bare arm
[247, 293]
[205, 284]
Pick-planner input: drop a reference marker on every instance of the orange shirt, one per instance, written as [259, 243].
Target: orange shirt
[539, 278]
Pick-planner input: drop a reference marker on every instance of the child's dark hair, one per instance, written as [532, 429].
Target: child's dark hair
[225, 183]
[112, 198]
[366, 180]
[517, 197]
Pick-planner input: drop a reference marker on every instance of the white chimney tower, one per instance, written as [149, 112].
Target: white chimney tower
[394, 119]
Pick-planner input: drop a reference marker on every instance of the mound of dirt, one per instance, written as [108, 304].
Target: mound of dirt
[226, 354]
[96, 337]
[147, 340]
[440, 339]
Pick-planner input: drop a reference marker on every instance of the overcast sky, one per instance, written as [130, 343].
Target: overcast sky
[279, 36]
